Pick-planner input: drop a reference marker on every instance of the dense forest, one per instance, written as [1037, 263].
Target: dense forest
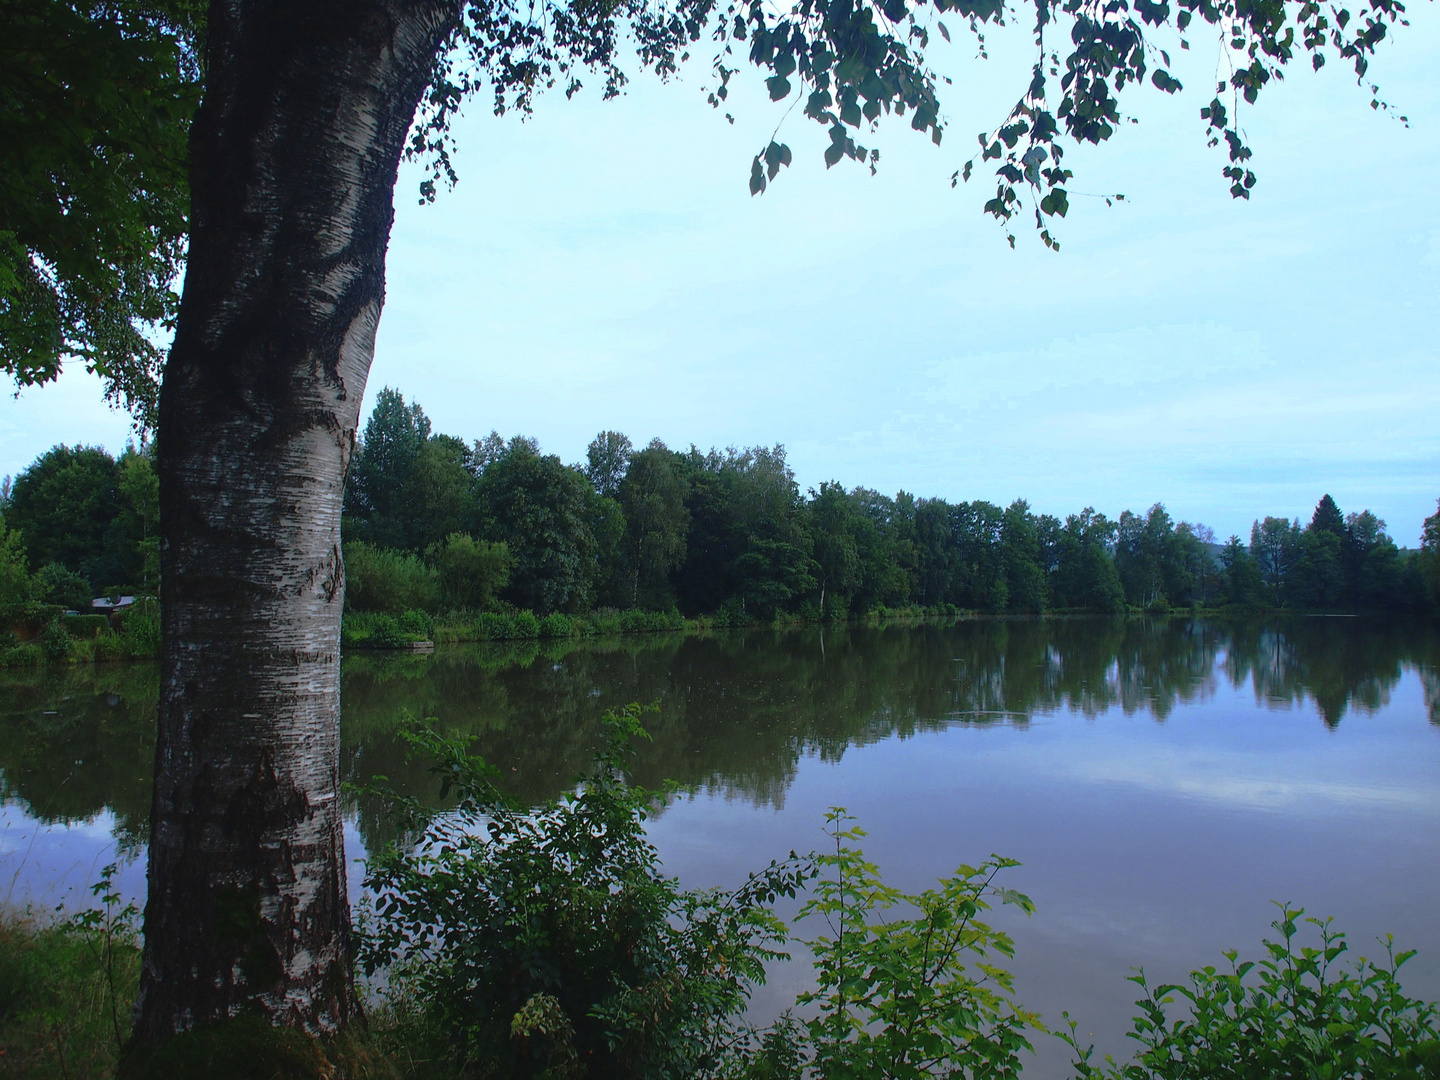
[436, 525]
[729, 534]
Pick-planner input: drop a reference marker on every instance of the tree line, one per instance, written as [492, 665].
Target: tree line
[436, 524]
[433, 521]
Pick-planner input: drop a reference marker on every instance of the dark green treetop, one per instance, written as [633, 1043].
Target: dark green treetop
[652, 500]
[545, 512]
[1327, 517]
[376, 488]
[64, 504]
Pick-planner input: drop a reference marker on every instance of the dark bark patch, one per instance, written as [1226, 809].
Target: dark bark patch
[240, 932]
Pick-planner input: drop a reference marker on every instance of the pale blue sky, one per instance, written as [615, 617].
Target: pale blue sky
[603, 266]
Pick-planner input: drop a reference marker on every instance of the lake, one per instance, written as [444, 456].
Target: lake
[1161, 780]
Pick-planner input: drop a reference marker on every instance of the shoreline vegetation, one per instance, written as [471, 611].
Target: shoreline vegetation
[493, 540]
[72, 639]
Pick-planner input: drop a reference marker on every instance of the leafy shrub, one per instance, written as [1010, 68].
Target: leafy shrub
[27, 655]
[393, 582]
[65, 990]
[604, 621]
[56, 642]
[60, 585]
[637, 621]
[417, 625]
[471, 572]
[384, 633]
[1293, 1013]
[524, 624]
[902, 997]
[634, 622]
[548, 942]
[18, 587]
[492, 626]
[141, 628]
[85, 626]
[114, 647]
[556, 625]
[732, 613]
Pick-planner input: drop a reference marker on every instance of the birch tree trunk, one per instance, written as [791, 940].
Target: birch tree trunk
[294, 158]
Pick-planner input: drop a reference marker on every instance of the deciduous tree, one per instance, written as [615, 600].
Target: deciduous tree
[652, 499]
[66, 505]
[607, 459]
[543, 511]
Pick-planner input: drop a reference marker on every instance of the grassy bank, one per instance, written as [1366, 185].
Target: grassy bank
[66, 990]
[56, 637]
[81, 639]
[376, 630]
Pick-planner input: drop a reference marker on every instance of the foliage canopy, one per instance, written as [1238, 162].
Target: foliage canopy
[95, 107]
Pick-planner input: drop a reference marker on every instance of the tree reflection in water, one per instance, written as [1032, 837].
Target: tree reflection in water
[738, 710]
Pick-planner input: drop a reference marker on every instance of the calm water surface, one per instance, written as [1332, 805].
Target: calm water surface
[1161, 781]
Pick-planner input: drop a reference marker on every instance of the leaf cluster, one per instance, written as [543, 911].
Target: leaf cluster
[850, 62]
[95, 107]
[1294, 1013]
[907, 997]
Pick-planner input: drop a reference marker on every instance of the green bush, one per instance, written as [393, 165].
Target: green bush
[380, 630]
[27, 655]
[85, 626]
[492, 626]
[417, 625]
[386, 581]
[731, 613]
[56, 642]
[471, 572]
[59, 585]
[524, 624]
[1295, 1012]
[141, 627]
[66, 988]
[604, 621]
[116, 647]
[548, 942]
[385, 633]
[637, 621]
[906, 997]
[556, 625]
